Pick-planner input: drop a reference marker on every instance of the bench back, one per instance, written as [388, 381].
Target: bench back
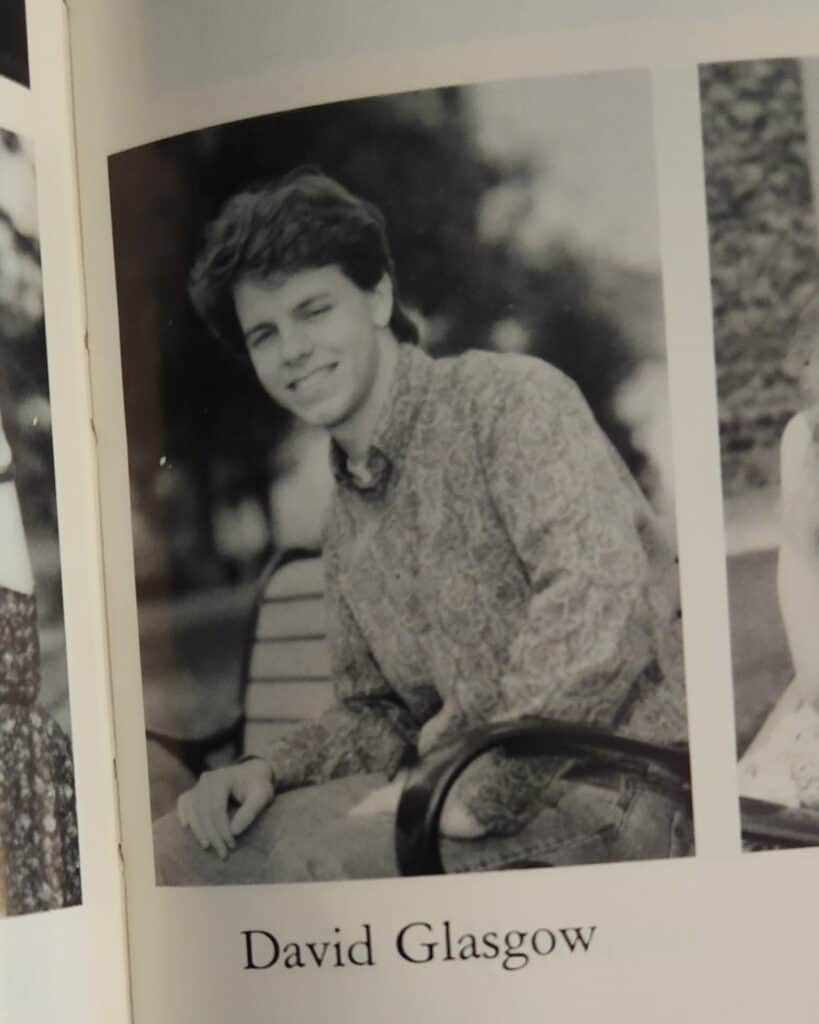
[286, 668]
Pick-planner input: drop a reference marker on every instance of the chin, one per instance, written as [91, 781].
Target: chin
[327, 417]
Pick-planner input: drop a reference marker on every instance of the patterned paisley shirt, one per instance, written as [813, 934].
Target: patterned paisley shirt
[38, 827]
[500, 562]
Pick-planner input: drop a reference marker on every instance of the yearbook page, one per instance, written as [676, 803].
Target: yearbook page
[62, 934]
[440, 365]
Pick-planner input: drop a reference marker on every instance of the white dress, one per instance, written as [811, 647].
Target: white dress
[799, 551]
[784, 766]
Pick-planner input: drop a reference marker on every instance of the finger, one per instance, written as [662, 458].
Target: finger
[211, 831]
[197, 826]
[209, 794]
[382, 800]
[214, 816]
[214, 838]
[252, 806]
[369, 805]
[220, 801]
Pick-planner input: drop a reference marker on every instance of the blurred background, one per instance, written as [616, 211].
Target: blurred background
[24, 403]
[760, 122]
[522, 217]
[13, 42]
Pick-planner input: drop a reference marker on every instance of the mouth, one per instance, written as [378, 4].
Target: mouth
[312, 377]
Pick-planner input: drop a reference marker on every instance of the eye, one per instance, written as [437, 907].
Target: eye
[260, 337]
[316, 311]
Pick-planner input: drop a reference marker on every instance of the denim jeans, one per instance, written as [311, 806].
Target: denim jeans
[308, 835]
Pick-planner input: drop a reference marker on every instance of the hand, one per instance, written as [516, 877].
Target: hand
[456, 820]
[459, 823]
[383, 800]
[204, 809]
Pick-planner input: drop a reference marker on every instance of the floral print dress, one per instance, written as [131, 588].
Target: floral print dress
[39, 856]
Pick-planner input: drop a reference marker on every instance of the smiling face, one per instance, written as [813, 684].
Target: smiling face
[316, 343]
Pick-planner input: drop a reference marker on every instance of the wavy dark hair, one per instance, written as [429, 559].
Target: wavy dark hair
[302, 221]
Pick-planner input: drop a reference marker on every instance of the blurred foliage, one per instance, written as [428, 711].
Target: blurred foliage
[24, 389]
[764, 270]
[201, 433]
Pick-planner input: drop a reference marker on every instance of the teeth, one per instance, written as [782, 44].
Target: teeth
[313, 373]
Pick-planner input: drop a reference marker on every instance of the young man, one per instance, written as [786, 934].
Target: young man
[488, 557]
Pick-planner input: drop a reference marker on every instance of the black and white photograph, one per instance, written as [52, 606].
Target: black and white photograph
[39, 857]
[761, 142]
[402, 492]
[14, 41]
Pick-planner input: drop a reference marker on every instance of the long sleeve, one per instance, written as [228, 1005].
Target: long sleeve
[38, 825]
[798, 569]
[601, 588]
[19, 648]
[367, 730]
[600, 576]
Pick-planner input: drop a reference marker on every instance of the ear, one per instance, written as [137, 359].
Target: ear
[381, 299]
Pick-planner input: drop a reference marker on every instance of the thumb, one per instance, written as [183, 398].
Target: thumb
[382, 800]
[252, 806]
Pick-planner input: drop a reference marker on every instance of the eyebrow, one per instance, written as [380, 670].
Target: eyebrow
[309, 300]
[263, 325]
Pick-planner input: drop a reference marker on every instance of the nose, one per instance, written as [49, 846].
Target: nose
[295, 344]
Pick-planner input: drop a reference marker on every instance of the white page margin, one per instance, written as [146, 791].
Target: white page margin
[69, 965]
[680, 940]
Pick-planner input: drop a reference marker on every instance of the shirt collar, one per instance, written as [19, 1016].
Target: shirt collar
[393, 429]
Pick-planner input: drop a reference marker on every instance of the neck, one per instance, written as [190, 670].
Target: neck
[355, 435]
[15, 566]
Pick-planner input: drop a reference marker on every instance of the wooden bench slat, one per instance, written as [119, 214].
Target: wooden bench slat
[273, 701]
[290, 659]
[302, 578]
[288, 671]
[303, 617]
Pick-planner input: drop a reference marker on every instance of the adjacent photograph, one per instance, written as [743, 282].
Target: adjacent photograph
[761, 140]
[14, 41]
[401, 484]
[39, 858]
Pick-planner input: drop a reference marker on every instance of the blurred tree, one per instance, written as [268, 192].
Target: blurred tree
[764, 260]
[24, 392]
